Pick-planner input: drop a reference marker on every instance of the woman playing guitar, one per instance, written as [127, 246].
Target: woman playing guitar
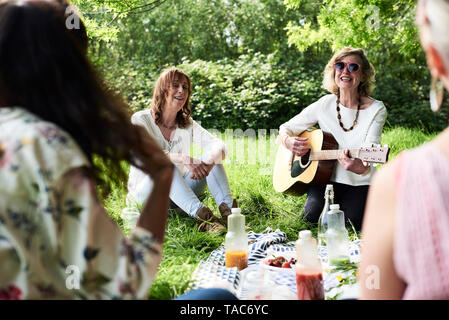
[354, 119]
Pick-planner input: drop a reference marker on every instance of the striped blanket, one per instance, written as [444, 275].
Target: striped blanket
[211, 272]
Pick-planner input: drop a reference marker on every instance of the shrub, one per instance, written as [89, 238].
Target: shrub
[255, 91]
[263, 91]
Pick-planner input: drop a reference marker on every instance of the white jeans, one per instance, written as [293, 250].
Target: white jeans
[184, 191]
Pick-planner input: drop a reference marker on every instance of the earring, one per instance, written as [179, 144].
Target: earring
[436, 94]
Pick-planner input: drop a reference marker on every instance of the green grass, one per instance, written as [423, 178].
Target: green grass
[251, 182]
[401, 138]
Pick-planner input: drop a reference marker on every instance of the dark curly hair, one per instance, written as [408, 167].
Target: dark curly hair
[45, 70]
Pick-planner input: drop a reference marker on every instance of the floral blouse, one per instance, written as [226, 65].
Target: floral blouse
[56, 240]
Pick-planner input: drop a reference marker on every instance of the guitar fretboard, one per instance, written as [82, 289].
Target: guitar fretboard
[331, 154]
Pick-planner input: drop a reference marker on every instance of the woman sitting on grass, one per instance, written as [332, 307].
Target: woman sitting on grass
[169, 122]
[56, 115]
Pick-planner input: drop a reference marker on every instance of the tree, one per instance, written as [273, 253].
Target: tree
[376, 25]
[192, 29]
[99, 15]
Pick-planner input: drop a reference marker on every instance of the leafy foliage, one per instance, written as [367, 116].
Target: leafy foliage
[196, 29]
[99, 15]
[254, 91]
[368, 24]
[262, 91]
[255, 64]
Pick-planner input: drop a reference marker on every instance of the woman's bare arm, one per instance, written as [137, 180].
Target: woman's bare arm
[377, 274]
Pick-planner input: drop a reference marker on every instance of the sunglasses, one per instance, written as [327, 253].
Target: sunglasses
[352, 67]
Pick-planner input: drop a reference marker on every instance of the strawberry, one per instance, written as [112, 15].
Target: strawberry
[277, 264]
[280, 262]
[281, 259]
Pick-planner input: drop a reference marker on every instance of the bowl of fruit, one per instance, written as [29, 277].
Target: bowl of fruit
[283, 262]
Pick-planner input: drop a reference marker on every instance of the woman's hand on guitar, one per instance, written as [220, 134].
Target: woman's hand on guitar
[299, 146]
[354, 165]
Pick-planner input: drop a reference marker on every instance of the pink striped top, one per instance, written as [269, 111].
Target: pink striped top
[421, 248]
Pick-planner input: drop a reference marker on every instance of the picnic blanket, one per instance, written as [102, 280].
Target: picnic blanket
[212, 272]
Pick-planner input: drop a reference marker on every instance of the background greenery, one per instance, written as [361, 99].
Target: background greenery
[260, 61]
[255, 64]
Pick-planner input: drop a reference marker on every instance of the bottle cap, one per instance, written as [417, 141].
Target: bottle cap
[305, 234]
[329, 191]
[236, 210]
[334, 207]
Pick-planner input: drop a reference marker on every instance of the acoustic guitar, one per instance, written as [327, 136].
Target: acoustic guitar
[293, 174]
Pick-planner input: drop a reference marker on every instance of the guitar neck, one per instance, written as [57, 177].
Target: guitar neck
[331, 154]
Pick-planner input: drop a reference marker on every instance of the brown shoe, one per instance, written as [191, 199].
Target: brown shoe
[225, 212]
[208, 222]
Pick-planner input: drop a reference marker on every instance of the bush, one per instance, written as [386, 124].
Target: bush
[263, 91]
[405, 92]
[255, 91]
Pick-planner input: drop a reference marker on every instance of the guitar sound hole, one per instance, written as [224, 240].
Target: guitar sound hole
[300, 165]
[305, 159]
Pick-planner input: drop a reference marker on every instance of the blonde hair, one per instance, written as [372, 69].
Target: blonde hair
[368, 84]
[163, 84]
[437, 12]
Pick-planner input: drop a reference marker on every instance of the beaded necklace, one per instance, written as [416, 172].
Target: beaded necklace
[339, 116]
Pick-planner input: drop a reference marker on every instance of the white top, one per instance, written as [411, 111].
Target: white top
[181, 142]
[367, 131]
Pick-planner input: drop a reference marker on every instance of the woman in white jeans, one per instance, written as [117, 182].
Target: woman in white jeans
[168, 121]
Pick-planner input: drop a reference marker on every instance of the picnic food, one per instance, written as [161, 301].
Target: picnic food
[236, 241]
[280, 262]
[309, 279]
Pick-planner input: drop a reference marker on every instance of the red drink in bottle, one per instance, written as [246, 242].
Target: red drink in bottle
[309, 284]
[309, 279]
